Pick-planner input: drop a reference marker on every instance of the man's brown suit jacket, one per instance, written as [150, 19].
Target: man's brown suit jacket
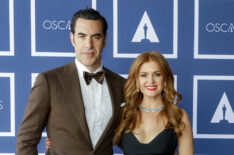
[56, 103]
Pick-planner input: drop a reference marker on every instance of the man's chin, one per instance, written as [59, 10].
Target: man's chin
[90, 65]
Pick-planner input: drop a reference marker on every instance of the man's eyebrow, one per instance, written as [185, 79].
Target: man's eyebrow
[97, 35]
[94, 35]
[81, 34]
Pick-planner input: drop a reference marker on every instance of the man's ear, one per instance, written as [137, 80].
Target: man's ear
[105, 40]
[72, 39]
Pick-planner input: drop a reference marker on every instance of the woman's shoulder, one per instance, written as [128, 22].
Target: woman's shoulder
[187, 125]
[185, 116]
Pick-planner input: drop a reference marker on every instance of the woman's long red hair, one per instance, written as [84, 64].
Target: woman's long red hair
[131, 114]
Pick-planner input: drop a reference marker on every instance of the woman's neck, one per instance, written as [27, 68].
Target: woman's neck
[152, 102]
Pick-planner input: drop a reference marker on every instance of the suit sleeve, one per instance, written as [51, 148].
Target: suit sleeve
[123, 84]
[35, 118]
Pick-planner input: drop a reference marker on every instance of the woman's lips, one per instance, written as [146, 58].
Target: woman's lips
[151, 87]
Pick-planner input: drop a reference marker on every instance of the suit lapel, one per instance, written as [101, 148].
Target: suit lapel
[72, 90]
[115, 94]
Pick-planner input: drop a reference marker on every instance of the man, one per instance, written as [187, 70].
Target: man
[80, 116]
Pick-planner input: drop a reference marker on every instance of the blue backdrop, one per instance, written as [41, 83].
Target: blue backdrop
[196, 36]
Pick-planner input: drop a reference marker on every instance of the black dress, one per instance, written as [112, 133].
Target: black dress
[164, 143]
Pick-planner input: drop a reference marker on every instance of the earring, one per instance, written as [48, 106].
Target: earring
[138, 90]
[175, 100]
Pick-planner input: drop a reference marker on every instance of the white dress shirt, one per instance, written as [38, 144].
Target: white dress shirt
[97, 103]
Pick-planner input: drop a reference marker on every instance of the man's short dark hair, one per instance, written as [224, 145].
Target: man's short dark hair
[90, 14]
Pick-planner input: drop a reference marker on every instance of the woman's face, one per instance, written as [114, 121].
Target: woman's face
[151, 80]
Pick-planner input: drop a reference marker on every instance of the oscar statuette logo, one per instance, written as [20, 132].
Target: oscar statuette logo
[223, 113]
[145, 31]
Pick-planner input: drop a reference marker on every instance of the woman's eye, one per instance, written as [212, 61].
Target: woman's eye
[157, 74]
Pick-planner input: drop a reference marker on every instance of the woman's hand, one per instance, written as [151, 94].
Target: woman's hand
[48, 144]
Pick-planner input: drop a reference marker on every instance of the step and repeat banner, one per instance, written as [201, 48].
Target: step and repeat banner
[196, 36]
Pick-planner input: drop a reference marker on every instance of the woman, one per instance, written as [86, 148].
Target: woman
[151, 123]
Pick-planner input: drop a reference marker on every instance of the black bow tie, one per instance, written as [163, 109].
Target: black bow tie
[99, 76]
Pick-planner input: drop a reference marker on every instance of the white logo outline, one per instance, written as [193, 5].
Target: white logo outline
[196, 39]
[116, 54]
[196, 79]
[11, 52]
[12, 104]
[33, 36]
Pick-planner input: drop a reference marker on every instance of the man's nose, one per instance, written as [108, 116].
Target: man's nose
[89, 42]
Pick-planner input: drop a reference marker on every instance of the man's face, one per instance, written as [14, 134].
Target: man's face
[88, 41]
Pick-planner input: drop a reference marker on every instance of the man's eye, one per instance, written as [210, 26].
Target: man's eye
[97, 37]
